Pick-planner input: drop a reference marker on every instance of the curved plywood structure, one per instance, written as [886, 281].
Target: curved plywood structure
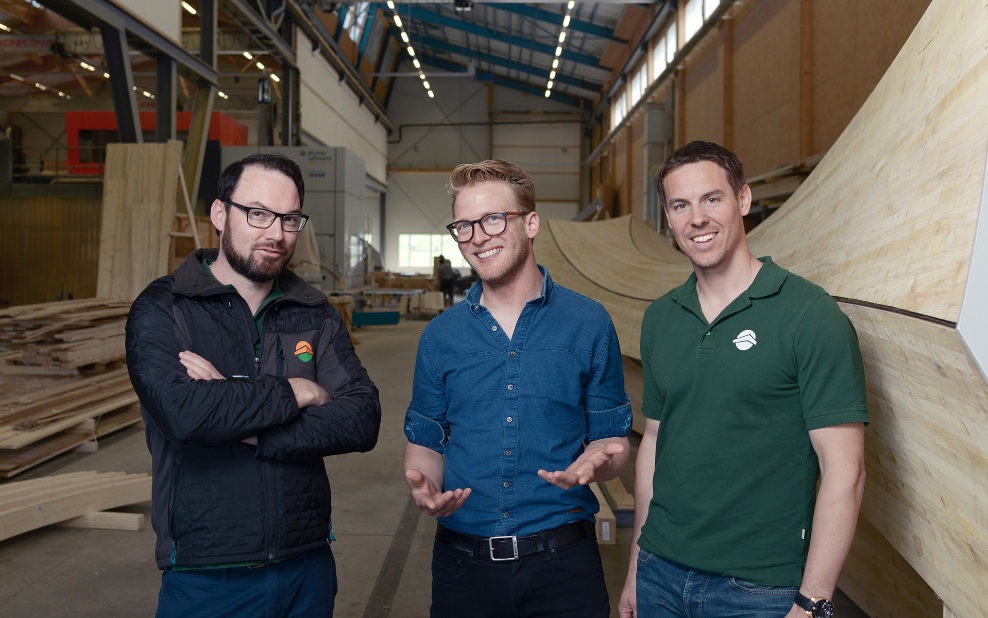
[887, 224]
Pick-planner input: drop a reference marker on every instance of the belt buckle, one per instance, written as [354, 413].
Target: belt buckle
[514, 547]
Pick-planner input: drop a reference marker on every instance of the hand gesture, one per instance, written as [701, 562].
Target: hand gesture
[583, 471]
[198, 367]
[428, 497]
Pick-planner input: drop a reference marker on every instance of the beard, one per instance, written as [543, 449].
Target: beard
[250, 267]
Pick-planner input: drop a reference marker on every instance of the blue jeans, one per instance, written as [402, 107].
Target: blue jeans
[665, 588]
[300, 587]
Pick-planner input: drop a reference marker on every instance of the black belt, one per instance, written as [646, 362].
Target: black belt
[499, 548]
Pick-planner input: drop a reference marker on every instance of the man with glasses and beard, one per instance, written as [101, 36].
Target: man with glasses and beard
[518, 404]
[247, 378]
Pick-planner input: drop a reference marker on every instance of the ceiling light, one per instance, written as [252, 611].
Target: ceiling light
[17, 77]
[555, 63]
[248, 56]
[188, 7]
[106, 75]
[260, 66]
[222, 95]
[391, 5]
[86, 66]
[415, 61]
[552, 75]
[421, 75]
[397, 21]
[562, 36]
[569, 7]
[462, 5]
[547, 93]
[566, 22]
[559, 51]
[4, 27]
[432, 95]
[427, 86]
[411, 52]
[404, 37]
[549, 85]
[275, 78]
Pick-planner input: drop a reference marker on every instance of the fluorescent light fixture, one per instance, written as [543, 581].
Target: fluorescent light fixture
[411, 52]
[427, 86]
[398, 21]
[222, 95]
[432, 95]
[17, 77]
[559, 51]
[547, 93]
[569, 7]
[260, 66]
[562, 37]
[566, 22]
[275, 78]
[106, 75]
[391, 5]
[555, 63]
[415, 61]
[86, 65]
[188, 7]
[5, 28]
[404, 37]
[549, 85]
[552, 75]
[248, 56]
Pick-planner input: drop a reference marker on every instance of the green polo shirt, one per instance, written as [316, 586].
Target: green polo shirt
[735, 473]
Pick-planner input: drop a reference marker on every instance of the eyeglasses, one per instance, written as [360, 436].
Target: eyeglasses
[493, 223]
[263, 218]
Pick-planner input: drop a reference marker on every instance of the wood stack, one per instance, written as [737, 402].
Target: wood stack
[50, 408]
[28, 505]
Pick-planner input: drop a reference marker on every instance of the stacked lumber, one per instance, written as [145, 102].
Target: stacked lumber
[67, 335]
[140, 193]
[771, 189]
[29, 505]
[47, 422]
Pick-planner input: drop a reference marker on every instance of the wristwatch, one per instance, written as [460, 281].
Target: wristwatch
[815, 607]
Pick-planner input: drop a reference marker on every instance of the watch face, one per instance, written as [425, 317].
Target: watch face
[823, 609]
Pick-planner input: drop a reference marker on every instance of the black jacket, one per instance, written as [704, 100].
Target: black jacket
[216, 499]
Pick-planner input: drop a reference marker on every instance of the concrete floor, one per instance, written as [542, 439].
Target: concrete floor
[383, 550]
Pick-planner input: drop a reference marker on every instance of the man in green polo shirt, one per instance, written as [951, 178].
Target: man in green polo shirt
[753, 391]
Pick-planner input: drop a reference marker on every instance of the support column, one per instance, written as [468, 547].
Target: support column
[166, 85]
[122, 84]
[195, 145]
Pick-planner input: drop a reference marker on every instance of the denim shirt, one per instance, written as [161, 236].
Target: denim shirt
[499, 409]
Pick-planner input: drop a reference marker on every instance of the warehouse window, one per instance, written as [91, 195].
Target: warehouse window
[619, 109]
[664, 52]
[638, 83]
[355, 19]
[419, 250]
[694, 17]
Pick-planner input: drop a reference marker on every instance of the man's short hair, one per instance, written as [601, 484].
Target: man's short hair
[494, 170]
[269, 161]
[697, 151]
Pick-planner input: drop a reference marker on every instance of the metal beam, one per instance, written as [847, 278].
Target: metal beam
[520, 86]
[284, 49]
[122, 85]
[514, 65]
[416, 13]
[97, 13]
[166, 84]
[195, 143]
[526, 10]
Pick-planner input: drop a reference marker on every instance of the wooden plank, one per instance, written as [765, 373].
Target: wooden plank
[106, 520]
[109, 490]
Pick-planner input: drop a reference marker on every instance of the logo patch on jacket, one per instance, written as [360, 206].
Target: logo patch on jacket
[303, 351]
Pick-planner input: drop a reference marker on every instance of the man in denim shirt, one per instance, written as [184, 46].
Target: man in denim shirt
[518, 404]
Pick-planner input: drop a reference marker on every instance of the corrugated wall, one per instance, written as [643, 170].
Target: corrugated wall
[49, 248]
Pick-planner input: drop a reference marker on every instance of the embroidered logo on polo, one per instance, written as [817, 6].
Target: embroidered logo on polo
[745, 340]
[303, 351]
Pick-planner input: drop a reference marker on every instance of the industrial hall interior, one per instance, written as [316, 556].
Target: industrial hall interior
[861, 125]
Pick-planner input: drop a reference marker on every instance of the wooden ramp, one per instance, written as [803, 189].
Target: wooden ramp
[886, 223]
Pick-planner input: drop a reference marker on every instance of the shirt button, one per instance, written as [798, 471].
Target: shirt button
[508, 453]
[507, 484]
[512, 355]
[493, 327]
[509, 419]
[511, 387]
[505, 514]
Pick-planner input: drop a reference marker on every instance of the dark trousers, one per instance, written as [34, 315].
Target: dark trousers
[299, 587]
[564, 582]
[446, 287]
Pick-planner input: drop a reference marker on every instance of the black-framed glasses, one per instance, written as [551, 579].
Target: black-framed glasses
[493, 223]
[263, 218]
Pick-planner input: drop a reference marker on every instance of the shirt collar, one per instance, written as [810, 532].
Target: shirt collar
[475, 291]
